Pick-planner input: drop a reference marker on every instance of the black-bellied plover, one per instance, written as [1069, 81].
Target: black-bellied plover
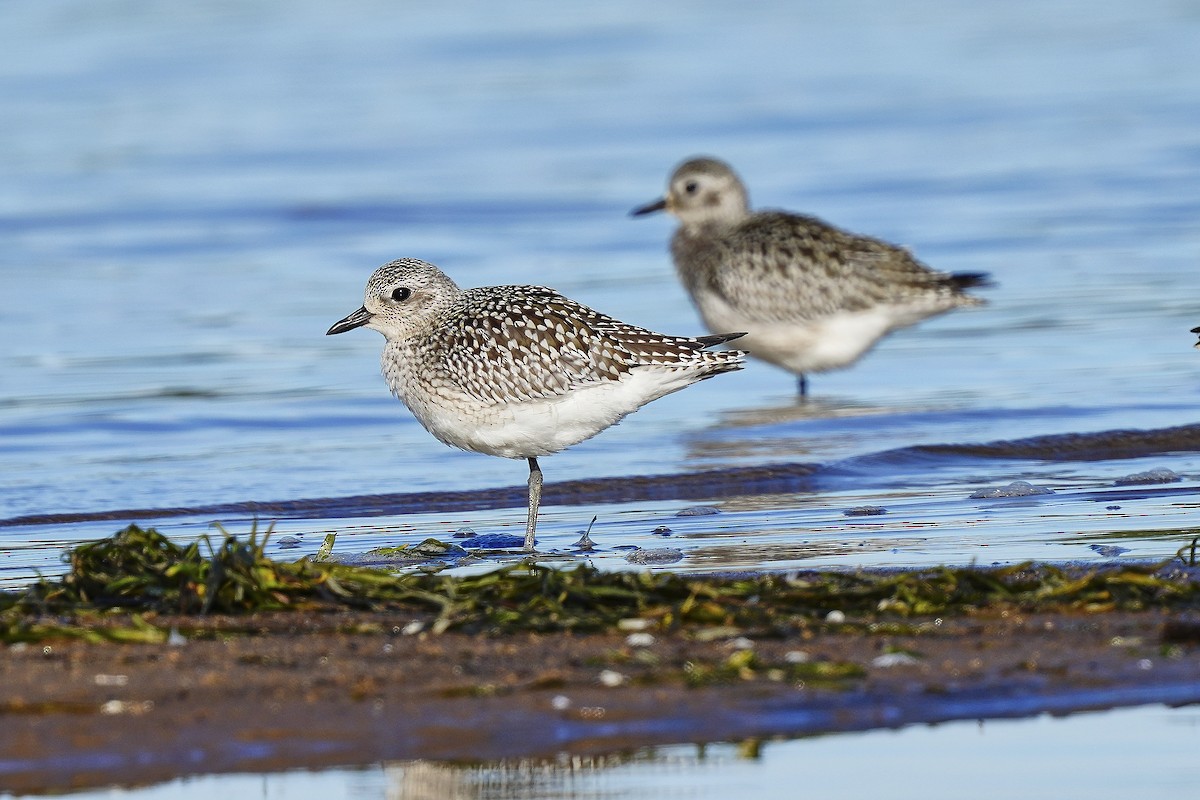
[519, 371]
[811, 297]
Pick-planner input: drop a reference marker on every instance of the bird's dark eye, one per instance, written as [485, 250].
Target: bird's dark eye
[691, 187]
[401, 294]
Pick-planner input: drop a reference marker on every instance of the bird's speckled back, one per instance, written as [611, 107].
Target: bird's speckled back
[504, 344]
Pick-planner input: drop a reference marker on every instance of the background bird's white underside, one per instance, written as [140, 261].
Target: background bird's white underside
[816, 345]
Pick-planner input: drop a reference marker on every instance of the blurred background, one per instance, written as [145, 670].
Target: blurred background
[190, 194]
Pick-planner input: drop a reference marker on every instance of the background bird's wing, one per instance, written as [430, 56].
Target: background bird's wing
[779, 266]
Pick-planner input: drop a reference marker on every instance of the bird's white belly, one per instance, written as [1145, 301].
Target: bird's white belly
[539, 427]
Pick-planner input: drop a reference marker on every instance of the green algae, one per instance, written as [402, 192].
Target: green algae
[1187, 553]
[113, 582]
[746, 665]
[422, 551]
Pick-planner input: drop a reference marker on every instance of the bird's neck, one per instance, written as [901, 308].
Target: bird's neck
[710, 227]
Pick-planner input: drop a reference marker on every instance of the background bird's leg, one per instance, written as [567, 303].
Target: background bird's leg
[535, 498]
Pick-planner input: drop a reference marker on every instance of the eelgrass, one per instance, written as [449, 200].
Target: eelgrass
[138, 571]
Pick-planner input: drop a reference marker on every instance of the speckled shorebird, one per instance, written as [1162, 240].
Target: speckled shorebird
[812, 297]
[519, 371]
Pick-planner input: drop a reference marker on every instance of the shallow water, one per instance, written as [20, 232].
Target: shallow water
[189, 197]
[1042, 756]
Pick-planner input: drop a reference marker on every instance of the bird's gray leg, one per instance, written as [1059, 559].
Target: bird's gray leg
[535, 498]
[802, 385]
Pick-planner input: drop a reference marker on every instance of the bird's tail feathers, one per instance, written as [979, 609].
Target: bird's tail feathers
[718, 338]
[970, 280]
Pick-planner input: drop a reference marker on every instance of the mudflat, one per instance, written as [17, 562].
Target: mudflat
[151, 660]
[311, 689]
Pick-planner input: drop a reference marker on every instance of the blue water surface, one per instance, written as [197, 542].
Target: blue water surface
[190, 194]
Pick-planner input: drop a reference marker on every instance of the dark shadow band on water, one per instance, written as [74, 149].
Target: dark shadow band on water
[689, 486]
[1099, 446]
[710, 484]
[1114, 445]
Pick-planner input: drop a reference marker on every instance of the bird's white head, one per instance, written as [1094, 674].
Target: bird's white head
[403, 299]
[703, 191]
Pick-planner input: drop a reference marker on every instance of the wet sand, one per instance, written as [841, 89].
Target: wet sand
[269, 692]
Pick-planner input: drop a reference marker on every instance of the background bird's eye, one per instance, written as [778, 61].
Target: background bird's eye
[690, 187]
[401, 294]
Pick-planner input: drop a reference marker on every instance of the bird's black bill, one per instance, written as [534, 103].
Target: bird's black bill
[355, 320]
[649, 208]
